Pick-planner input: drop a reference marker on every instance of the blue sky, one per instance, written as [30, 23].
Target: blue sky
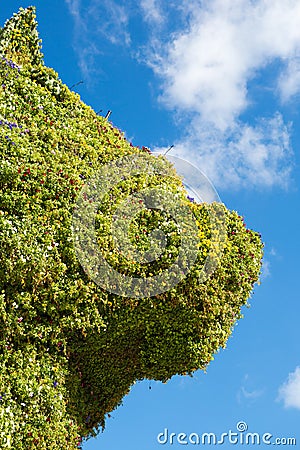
[220, 80]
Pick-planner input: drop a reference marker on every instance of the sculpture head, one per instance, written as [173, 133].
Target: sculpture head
[71, 348]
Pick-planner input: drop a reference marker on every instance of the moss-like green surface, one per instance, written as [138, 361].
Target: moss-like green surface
[69, 349]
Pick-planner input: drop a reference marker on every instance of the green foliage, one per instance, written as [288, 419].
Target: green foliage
[70, 350]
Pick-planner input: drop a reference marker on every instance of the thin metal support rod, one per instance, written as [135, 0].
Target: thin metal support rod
[76, 84]
[168, 149]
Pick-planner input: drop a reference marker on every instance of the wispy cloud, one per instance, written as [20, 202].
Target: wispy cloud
[110, 19]
[95, 21]
[152, 11]
[246, 394]
[289, 392]
[250, 395]
[84, 47]
[266, 269]
[206, 69]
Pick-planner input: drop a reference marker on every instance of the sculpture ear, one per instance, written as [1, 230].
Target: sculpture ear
[19, 38]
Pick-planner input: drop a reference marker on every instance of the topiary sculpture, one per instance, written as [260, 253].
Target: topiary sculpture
[69, 348]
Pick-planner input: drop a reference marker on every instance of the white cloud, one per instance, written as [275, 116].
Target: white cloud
[243, 156]
[152, 12]
[206, 70]
[206, 54]
[289, 392]
[207, 67]
[289, 80]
